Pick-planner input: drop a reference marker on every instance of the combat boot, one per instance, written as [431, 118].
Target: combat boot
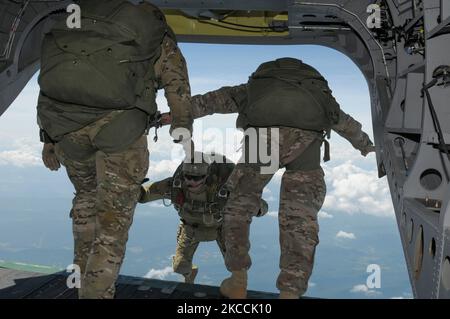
[190, 278]
[235, 287]
[288, 295]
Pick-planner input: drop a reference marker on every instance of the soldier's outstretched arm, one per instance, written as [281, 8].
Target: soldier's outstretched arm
[352, 131]
[155, 191]
[229, 99]
[172, 75]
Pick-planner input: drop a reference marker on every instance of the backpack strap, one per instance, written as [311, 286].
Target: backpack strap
[326, 136]
[221, 193]
[296, 83]
[177, 195]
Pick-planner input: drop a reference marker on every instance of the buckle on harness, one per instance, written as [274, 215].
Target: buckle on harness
[223, 192]
[176, 183]
[154, 121]
[326, 155]
[211, 220]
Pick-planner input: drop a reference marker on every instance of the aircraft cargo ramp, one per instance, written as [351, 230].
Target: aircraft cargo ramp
[22, 284]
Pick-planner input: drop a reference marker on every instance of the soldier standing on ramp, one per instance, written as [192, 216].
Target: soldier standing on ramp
[294, 97]
[97, 102]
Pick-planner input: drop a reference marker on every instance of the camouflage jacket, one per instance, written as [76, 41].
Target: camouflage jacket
[234, 100]
[172, 76]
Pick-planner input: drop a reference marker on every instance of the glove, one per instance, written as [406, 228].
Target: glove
[49, 157]
[369, 149]
[364, 144]
[143, 197]
[143, 190]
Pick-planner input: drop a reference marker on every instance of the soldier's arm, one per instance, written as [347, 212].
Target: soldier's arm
[49, 157]
[155, 191]
[172, 76]
[224, 100]
[44, 137]
[352, 131]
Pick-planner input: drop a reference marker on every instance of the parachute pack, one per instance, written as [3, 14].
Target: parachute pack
[108, 62]
[287, 92]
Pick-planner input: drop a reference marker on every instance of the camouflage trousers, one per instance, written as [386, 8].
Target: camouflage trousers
[107, 188]
[188, 239]
[302, 195]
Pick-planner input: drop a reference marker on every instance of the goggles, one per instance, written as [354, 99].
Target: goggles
[193, 177]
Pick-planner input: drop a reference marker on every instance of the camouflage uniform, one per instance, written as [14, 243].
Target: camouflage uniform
[200, 212]
[107, 183]
[302, 194]
[107, 190]
[189, 235]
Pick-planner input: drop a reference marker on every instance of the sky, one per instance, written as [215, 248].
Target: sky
[357, 221]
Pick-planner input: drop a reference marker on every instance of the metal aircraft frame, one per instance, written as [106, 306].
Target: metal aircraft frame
[401, 47]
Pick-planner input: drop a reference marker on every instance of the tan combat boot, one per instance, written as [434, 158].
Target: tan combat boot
[190, 278]
[288, 295]
[235, 287]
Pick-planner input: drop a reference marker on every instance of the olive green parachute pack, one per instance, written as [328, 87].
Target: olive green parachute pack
[287, 92]
[107, 64]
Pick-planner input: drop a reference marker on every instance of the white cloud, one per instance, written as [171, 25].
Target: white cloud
[324, 215]
[207, 138]
[20, 158]
[343, 151]
[363, 289]
[157, 204]
[272, 214]
[159, 273]
[311, 284]
[345, 235]
[351, 189]
[24, 153]
[163, 168]
[403, 297]
[278, 176]
[359, 288]
[135, 249]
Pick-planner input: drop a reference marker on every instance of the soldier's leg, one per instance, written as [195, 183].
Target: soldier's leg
[82, 174]
[302, 195]
[119, 177]
[246, 185]
[221, 241]
[186, 247]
